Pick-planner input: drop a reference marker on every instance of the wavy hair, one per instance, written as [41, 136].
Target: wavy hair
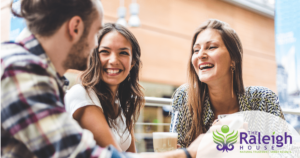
[129, 92]
[198, 90]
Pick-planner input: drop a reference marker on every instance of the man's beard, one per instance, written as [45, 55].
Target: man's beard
[77, 58]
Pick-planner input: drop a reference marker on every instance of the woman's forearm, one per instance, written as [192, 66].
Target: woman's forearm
[132, 145]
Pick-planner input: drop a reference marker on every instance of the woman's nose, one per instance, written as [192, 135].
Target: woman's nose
[113, 59]
[202, 54]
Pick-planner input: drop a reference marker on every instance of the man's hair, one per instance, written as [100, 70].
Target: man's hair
[45, 17]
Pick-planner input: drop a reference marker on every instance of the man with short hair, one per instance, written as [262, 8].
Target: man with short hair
[60, 36]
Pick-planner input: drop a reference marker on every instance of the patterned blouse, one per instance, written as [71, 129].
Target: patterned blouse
[254, 98]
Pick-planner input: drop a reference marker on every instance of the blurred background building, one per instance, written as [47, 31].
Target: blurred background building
[165, 34]
[287, 43]
[164, 29]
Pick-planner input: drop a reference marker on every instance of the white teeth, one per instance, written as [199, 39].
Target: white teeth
[206, 65]
[112, 71]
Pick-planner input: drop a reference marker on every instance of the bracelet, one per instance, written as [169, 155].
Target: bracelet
[188, 155]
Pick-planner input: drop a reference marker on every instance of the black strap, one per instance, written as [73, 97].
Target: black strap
[188, 155]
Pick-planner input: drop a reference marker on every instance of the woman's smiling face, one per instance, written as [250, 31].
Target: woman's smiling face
[115, 53]
[211, 59]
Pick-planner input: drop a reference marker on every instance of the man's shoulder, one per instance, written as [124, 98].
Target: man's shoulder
[14, 55]
[16, 60]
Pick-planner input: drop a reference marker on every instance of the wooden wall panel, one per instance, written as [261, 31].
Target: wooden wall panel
[164, 57]
[259, 71]
[164, 22]
[166, 30]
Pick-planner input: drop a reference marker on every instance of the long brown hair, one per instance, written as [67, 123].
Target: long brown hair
[129, 93]
[198, 90]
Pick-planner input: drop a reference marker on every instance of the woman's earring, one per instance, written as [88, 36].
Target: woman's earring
[232, 72]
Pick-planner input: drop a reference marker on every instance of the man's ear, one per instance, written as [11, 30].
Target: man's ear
[75, 28]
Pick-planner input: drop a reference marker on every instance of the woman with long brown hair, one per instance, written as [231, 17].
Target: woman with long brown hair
[215, 84]
[109, 98]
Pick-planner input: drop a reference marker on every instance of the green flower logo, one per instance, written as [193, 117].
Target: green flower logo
[225, 143]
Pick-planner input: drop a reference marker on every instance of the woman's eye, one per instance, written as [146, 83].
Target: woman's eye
[103, 51]
[124, 53]
[212, 47]
[195, 51]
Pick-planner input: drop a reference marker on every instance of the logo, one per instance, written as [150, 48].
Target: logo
[251, 141]
[252, 138]
[225, 141]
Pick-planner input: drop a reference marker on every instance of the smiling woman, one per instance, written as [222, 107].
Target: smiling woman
[109, 98]
[115, 55]
[215, 83]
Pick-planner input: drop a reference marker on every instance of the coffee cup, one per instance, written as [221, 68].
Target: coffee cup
[164, 141]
